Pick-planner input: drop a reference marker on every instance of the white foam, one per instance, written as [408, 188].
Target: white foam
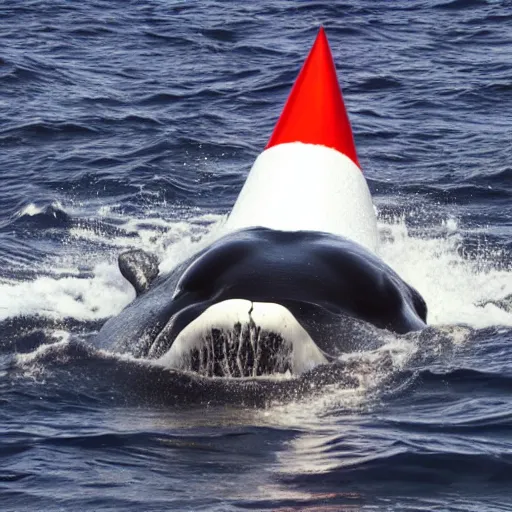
[171, 240]
[31, 210]
[457, 289]
[62, 293]
[368, 369]
[48, 348]
[68, 297]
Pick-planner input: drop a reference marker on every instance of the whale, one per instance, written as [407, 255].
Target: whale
[307, 287]
[292, 279]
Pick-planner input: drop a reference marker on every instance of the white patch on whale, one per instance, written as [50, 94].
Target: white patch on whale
[253, 318]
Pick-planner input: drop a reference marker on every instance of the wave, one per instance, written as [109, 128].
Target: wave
[458, 289]
[377, 84]
[46, 129]
[410, 467]
[220, 34]
[44, 216]
[122, 379]
[461, 4]
[61, 353]
[460, 286]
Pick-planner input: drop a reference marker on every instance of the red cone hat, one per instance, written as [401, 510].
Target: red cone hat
[315, 112]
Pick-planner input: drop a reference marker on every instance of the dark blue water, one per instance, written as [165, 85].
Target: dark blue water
[134, 124]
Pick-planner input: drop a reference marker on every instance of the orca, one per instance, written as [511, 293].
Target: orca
[293, 277]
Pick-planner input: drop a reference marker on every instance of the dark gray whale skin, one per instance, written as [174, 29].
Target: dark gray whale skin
[328, 282]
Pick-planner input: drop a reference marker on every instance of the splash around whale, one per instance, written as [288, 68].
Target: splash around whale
[261, 301]
[294, 271]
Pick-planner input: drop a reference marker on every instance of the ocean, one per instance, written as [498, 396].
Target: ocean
[133, 125]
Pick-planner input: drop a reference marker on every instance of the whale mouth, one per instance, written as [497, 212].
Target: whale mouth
[238, 338]
[243, 351]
